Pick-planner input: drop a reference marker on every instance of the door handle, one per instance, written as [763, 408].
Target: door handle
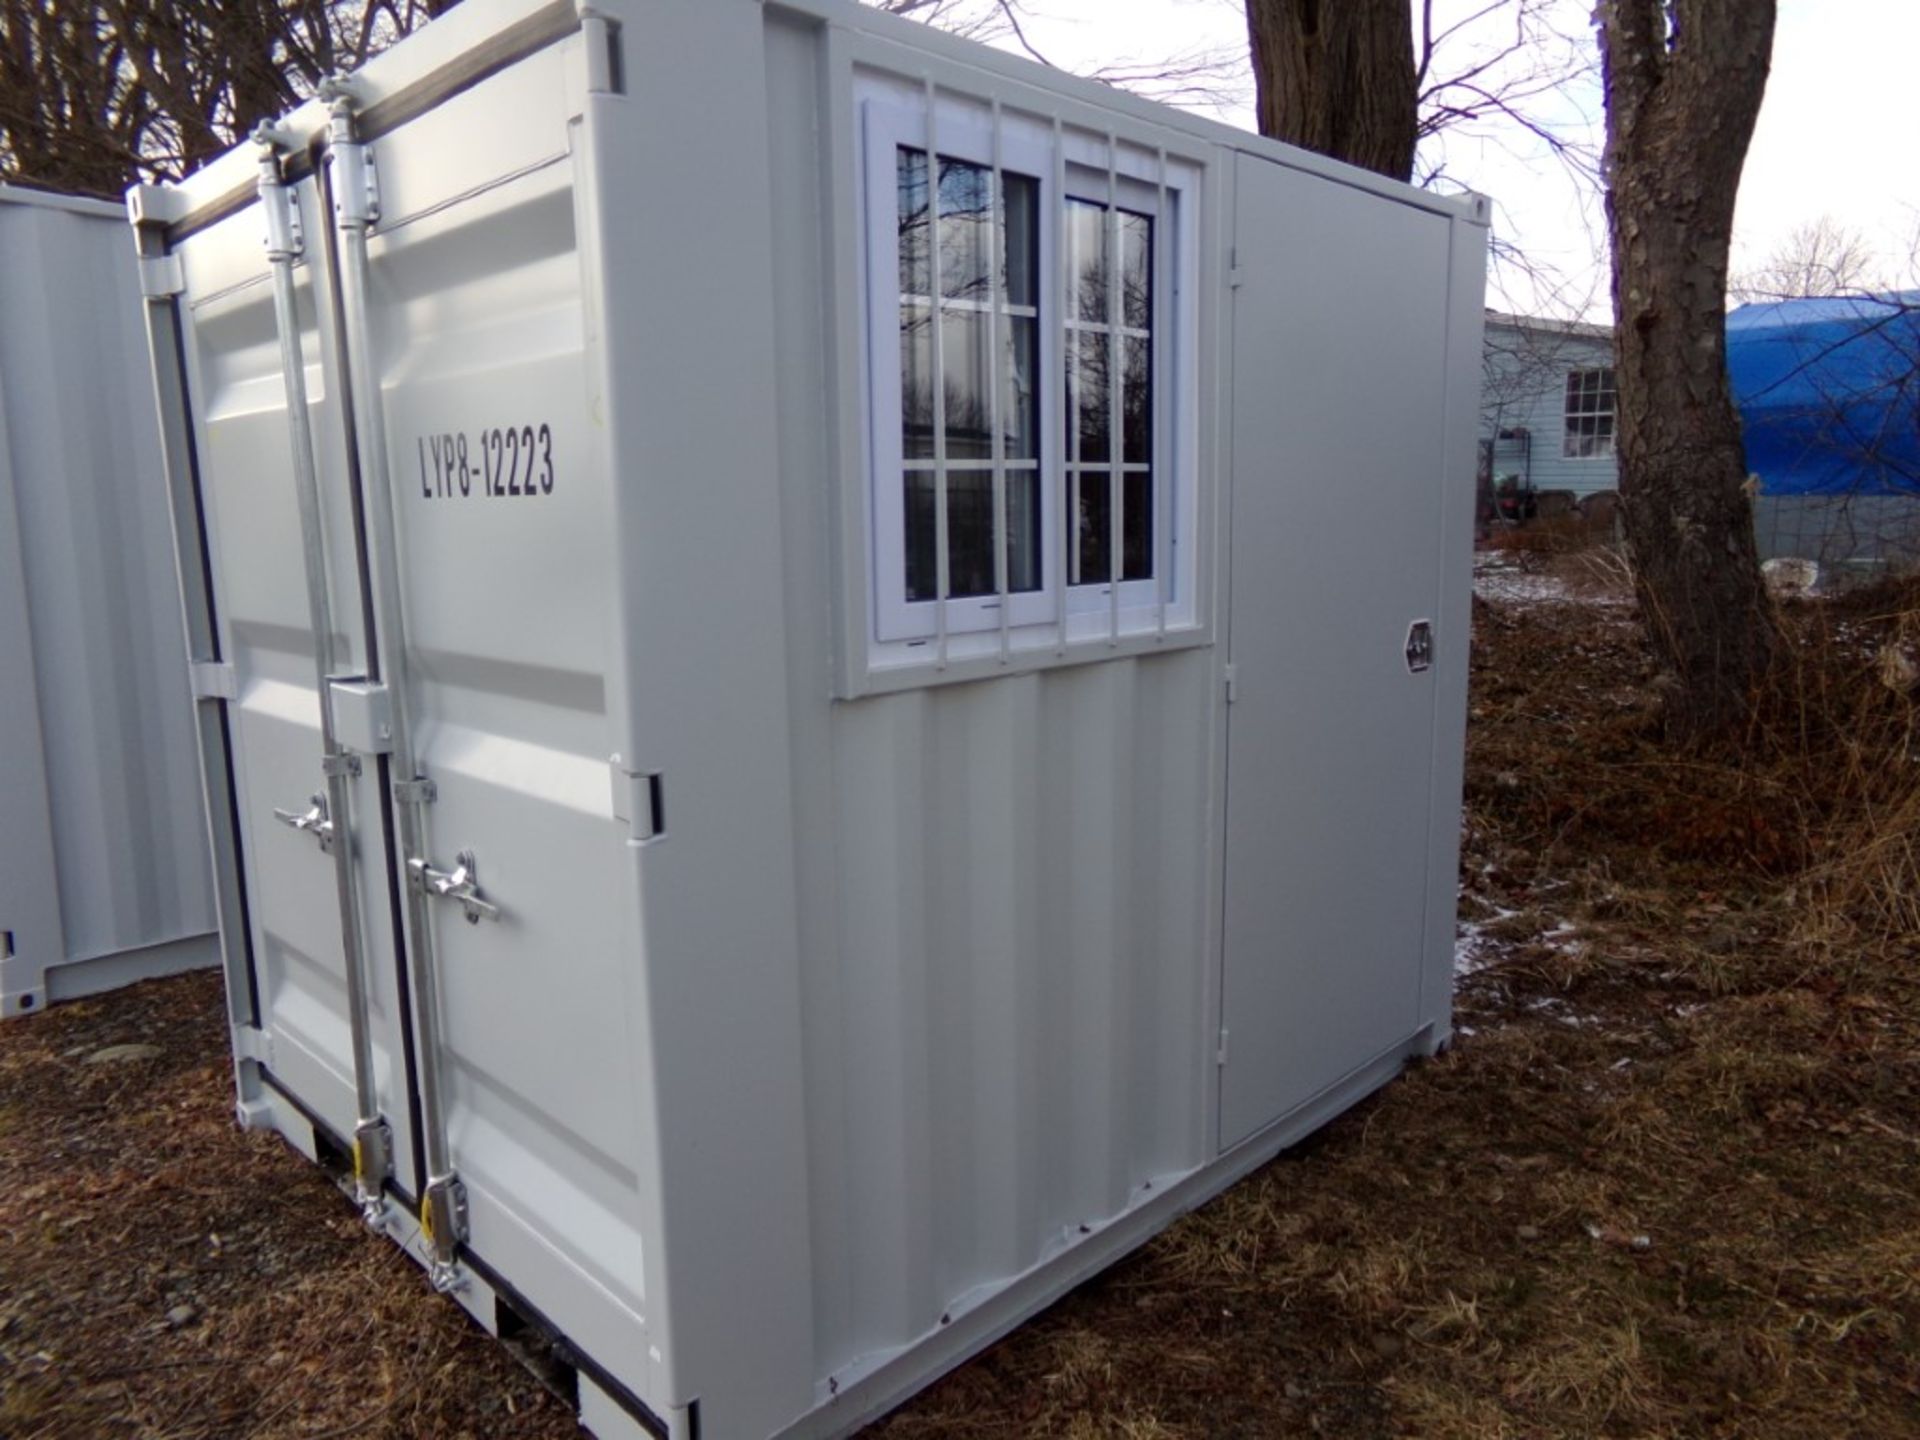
[460, 884]
[313, 821]
[1420, 646]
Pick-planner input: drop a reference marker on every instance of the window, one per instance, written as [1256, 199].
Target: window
[1590, 407]
[968, 359]
[1031, 478]
[1109, 352]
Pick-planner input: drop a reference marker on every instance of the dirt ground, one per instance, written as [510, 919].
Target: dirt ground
[1667, 1183]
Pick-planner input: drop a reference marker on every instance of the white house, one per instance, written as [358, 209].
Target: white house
[1547, 404]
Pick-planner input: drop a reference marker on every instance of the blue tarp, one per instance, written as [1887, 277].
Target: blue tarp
[1829, 393]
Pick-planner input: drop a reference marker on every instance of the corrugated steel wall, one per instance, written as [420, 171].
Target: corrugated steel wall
[1011, 1038]
[108, 651]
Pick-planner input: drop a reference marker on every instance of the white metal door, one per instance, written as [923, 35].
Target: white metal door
[473, 388]
[251, 514]
[1339, 394]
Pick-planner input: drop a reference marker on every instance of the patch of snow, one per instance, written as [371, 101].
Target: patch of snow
[1561, 938]
[1473, 948]
[1563, 1013]
[1516, 587]
[1499, 577]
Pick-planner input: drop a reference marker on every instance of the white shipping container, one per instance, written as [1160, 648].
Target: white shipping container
[104, 874]
[882, 728]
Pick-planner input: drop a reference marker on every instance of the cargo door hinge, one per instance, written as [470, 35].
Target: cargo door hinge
[161, 276]
[1232, 678]
[213, 680]
[356, 187]
[639, 801]
[1220, 1050]
[252, 1044]
[606, 67]
[420, 791]
[282, 212]
[1234, 273]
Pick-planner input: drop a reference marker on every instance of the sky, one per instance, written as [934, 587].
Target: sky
[1835, 136]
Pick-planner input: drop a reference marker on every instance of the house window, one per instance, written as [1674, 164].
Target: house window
[1590, 412]
[1031, 466]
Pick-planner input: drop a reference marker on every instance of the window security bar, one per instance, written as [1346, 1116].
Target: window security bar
[997, 266]
[1068, 489]
[1116, 392]
[1160, 432]
[936, 294]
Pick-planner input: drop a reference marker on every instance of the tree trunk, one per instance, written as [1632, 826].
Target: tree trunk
[1336, 76]
[1684, 80]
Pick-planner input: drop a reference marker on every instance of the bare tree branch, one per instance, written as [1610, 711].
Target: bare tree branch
[97, 94]
[1820, 258]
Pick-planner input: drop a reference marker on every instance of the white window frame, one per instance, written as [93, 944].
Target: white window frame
[960, 137]
[1069, 162]
[1568, 440]
[1119, 192]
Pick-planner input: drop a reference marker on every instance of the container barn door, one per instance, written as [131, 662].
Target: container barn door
[1339, 364]
[474, 374]
[287, 833]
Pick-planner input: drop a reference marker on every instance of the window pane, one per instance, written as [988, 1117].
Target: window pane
[1136, 527]
[1023, 531]
[1021, 196]
[1088, 397]
[970, 532]
[1087, 259]
[1091, 520]
[913, 221]
[922, 579]
[975, 348]
[1136, 416]
[963, 346]
[965, 231]
[1019, 405]
[916, 381]
[1136, 272]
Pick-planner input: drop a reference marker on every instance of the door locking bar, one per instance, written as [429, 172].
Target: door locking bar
[326, 819]
[461, 884]
[443, 1207]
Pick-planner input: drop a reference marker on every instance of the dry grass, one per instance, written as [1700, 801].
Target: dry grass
[1549, 535]
[164, 1275]
[1664, 1185]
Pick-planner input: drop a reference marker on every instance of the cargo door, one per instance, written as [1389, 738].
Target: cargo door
[468, 334]
[287, 830]
[1339, 335]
